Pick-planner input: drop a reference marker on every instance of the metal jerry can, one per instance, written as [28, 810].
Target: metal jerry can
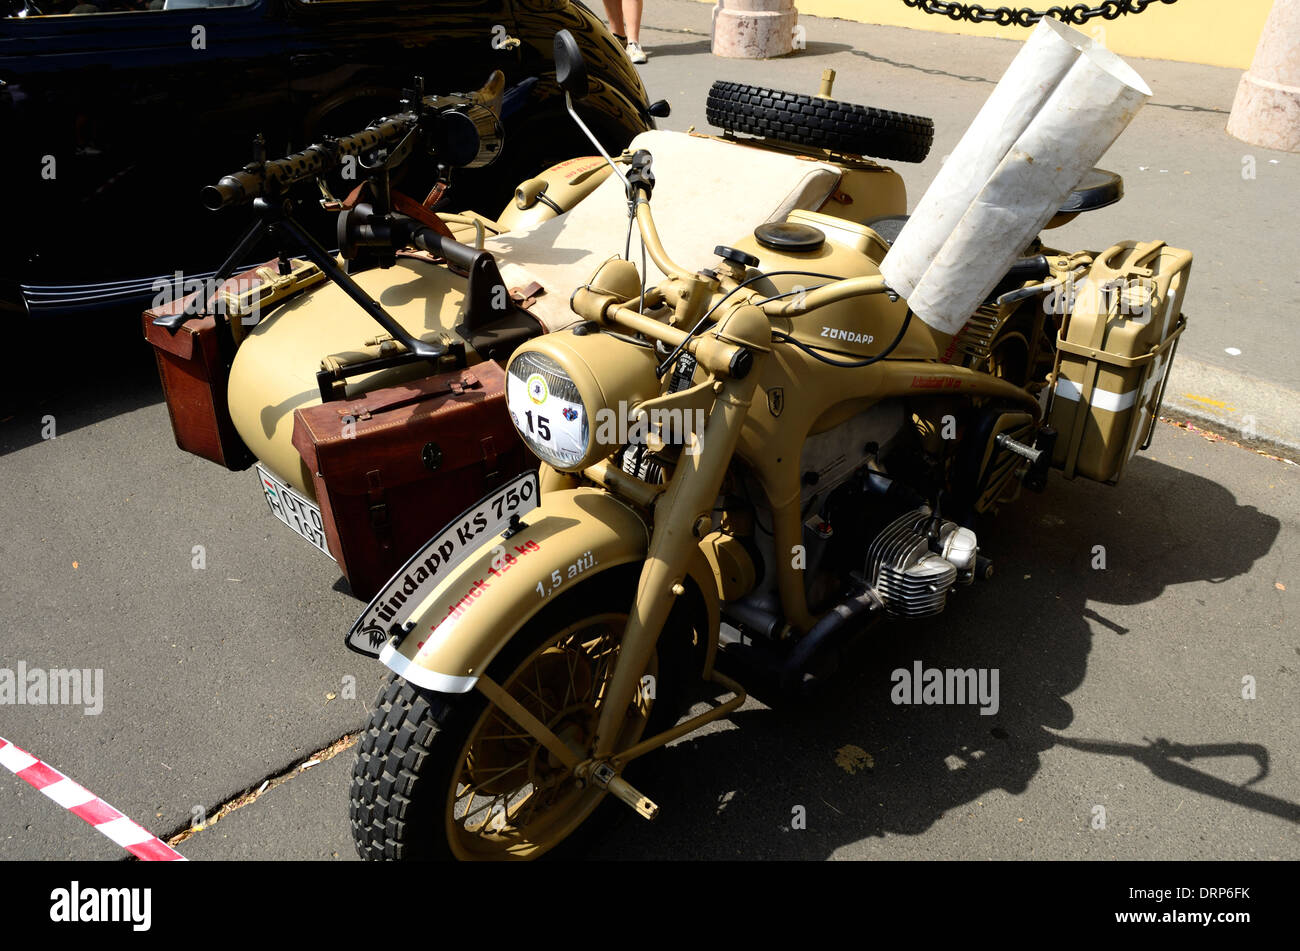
[1113, 356]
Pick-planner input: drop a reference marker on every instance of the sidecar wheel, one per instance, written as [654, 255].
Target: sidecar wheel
[429, 764]
[821, 123]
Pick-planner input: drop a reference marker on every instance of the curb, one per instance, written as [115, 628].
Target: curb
[1246, 409]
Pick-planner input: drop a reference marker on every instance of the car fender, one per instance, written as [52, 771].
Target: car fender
[476, 610]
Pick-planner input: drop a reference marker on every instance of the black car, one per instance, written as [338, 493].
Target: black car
[117, 112]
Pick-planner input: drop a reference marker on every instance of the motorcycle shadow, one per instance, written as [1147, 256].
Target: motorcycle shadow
[860, 766]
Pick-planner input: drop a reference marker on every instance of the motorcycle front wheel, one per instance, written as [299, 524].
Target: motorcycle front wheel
[442, 776]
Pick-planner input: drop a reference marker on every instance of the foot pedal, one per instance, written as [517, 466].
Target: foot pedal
[1036, 478]
[605, 777]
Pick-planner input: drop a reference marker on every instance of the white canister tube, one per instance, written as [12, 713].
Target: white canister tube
[1088, 110]
[1038, 68]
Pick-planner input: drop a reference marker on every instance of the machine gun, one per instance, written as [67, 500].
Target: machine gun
[459, 130]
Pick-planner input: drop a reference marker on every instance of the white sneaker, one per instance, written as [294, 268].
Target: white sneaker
[635, 53]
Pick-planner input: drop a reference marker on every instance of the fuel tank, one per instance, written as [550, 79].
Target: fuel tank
[827, 248]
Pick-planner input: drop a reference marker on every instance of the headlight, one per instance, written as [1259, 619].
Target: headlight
[547, 409]
[570, 395]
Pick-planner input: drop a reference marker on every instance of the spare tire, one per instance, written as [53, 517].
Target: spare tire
[821, 123]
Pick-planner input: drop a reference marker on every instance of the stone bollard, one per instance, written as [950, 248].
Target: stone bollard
[1266, 111]
[754, 29]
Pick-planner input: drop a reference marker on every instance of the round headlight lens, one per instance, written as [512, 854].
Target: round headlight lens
[547, 409]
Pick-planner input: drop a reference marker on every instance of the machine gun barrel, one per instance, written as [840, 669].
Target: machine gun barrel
[258, 179]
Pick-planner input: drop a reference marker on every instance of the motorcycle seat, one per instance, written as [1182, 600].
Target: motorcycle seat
[1098, 189]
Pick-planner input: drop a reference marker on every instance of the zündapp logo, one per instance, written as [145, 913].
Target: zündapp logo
[537, 389]
[834, 333]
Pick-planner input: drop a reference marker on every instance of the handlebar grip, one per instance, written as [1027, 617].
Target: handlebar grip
[1033, 268]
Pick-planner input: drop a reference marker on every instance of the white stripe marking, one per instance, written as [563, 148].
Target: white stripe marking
[68, 794]
[422, 676]
[14, 759]
[1101, 399]
[124, 832]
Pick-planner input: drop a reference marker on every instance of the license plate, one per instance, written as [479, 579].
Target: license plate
[295, 511]
[416, 580]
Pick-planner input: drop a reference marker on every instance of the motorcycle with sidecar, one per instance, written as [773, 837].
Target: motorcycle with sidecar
[748, 452]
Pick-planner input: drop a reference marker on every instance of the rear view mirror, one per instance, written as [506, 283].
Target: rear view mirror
[570, 70]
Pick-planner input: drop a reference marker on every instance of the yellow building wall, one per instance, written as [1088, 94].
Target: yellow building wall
[1216, 32]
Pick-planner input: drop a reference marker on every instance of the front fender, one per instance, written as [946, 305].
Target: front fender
[475, 611]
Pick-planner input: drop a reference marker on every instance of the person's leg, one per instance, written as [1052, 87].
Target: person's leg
[631, 16]
[614, 13]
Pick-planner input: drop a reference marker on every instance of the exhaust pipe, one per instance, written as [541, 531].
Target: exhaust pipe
[858, 608]
[853, 615]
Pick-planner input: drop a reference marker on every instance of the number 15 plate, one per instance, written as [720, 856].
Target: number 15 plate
[416, 580]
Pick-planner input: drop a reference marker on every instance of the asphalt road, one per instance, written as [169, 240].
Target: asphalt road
[1120, 688]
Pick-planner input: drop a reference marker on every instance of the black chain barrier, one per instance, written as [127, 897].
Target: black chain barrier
[1005, 16]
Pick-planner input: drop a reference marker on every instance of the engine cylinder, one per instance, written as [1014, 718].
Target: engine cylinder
[911, 577]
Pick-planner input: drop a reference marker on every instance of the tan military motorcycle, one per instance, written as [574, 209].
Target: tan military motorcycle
[753, 457]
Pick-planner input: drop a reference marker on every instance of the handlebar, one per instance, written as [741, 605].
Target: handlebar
[259, 179]
[650, 237]
[829, 293]
[724, 359]
[715, 354]
[818, 297]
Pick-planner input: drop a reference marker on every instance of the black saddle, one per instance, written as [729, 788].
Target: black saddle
[1098, 189]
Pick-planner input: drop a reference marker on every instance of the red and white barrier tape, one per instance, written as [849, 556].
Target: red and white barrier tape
[85, 804]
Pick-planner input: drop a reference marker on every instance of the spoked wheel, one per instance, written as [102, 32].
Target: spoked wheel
[455, 777]
[511, 797]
